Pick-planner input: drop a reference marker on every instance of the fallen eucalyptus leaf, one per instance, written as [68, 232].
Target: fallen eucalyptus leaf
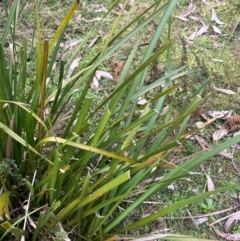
[216, 29]
[220, 114]
[226, 154]
[74, 65]
[232, 237]
[199, 221]
[97, 77]
[224, 91]
[217, 135]
[210, 184]
[202, 30]
[193, 35]
[215, 18]
[201, 142]
[142, 101]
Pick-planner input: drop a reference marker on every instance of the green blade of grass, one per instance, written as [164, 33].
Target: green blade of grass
[10, 18]
[63, 25]
[86, 147]
[77, 203]
[173, 207]
[181, 170]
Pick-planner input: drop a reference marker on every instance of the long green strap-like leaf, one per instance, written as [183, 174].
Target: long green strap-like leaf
[9, 21]
[24, 106]
[148, 52]
[174, 207]
[20, 140]
[87, 148]
[63, 25]
[180, 171]
[69, 209]
[169, 236]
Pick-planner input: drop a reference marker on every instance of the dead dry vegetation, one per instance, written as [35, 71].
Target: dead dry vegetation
[206, 36]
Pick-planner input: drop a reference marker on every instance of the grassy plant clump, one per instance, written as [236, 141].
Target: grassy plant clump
[70, 158]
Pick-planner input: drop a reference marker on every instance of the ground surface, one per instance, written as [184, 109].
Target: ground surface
[207, 37]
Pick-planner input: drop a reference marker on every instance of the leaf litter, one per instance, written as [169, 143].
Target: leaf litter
[98, 75]
[204, 29]
[215, 18]
[216, 30]
[210, 184]
[231, 222]
[230, 124]
[224, 91]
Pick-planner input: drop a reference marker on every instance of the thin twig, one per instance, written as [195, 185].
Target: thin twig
[203, 215]
[190, 215]
[221, 219]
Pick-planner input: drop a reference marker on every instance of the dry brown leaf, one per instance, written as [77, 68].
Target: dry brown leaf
[199, 123]
[170, 187]
[142, 101]
[195, 190]
[201, 142]
[225, 154]
[193, 35]
[231, 237]
[217, 60]
[74, 65]
[204, 124]
[97, 77]
[229, 224]
[220, 114]
[224, 91]
[116, 69]
[210, 184]
[204, 116]
[224, 218]
[180, 149]
[195, 18]
[92, 20]
[165, 110]
[199, 221]
[182, 18]
[233, 123]
[191, 9]
[79, 17]
[216, 30]
[93, 42]
[217, 135]
[72, 44]
[202, 30]
[215, 18]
